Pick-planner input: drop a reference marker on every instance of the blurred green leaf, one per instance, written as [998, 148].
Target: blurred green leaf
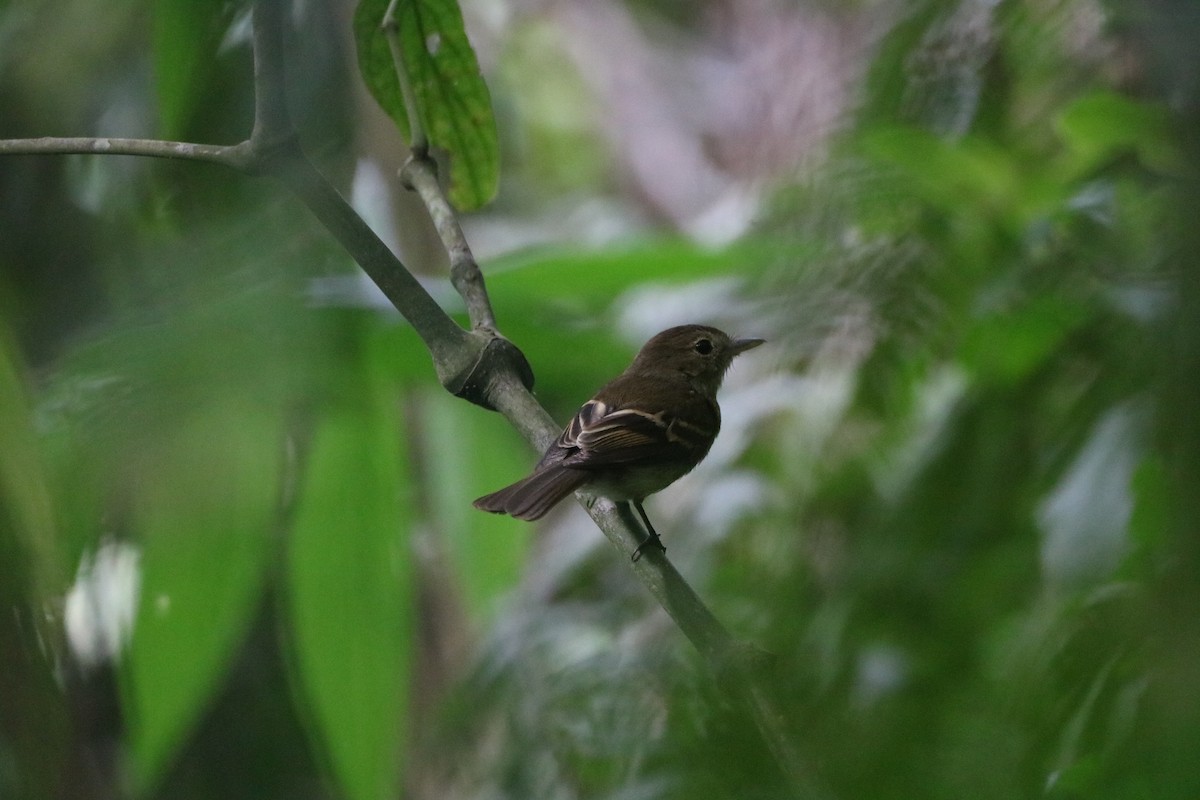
[589, 279]
[1150, 520]
[487, 550]
[451, 96]
[1102, 126]
[1004, 348]
[974, 181]
[576, 292]
[24, 491]
[350, 597]
[205, 509]
[186, 36]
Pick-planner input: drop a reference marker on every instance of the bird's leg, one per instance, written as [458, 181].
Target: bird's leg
[652, 539]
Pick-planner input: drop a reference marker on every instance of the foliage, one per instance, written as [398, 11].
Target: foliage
[955, 508]
[450, 95]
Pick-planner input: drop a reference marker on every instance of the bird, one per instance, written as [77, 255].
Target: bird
[641, 432]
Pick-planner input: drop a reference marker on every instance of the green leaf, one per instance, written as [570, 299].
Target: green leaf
[1102, 126]
[24, 489]
[1006, 348]
[350, 599]
[487, 550]
[949, 174]
[451, 96]
[205, 509]
[187, 34]
[576, 294]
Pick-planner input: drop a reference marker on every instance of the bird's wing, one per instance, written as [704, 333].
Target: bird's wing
[602, 437]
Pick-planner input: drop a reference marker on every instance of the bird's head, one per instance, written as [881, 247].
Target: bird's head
[699, 352]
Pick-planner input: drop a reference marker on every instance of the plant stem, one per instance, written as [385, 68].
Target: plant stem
[418, 140]
[421, 174]
[236, 156]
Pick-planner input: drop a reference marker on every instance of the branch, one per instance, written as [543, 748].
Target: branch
[420, 173]
[272, 123]
[236, 156]
[419, 140]
[734, 663]
[460, 357]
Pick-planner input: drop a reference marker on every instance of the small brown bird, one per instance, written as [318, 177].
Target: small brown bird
[642, 431]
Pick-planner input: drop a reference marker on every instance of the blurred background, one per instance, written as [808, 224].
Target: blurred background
[955, 497]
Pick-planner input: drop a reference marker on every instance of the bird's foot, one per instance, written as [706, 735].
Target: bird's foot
[651, 540]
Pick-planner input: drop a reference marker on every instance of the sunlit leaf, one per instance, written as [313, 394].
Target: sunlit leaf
[205, 510]
[349, 598]
[451, 96]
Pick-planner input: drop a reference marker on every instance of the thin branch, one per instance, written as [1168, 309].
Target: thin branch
[455, 351]
[272, 123]
[274, 141]
[235, 156]
[420, 172]
[419, 143]
[733, 662]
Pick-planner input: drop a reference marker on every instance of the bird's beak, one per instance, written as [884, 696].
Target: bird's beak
[742, 345]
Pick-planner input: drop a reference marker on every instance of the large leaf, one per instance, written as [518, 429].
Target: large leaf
[350, 599]
[205, 508]
[487, 550]
[577, 294]
[1101, 126]
[187, 34]
[451, 96]
[1006, 348]
[24, 491]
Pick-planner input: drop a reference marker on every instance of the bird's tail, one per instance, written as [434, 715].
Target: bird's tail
[532, 497]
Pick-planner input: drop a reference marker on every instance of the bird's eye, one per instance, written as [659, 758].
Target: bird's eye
[703, 347]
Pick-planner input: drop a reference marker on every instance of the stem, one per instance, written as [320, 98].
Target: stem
[274, 141]
[234, 156]
[420, 173]
[454, 350]
[272, 123]
[419, 143]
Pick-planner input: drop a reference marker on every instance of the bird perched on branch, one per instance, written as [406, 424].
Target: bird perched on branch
[645, 429]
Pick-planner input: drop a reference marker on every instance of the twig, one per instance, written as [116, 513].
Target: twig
[272, 123]
[418, 139]
[420, 172]
[236, 156]
[455, 352]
